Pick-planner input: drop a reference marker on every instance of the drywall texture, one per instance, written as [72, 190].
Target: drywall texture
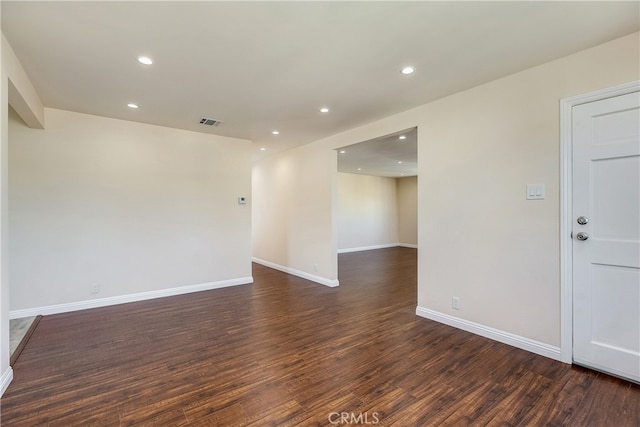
[21, 94]
[128, 206]
[15, 89]
[5, 369]
[376, 211]
[367, 211]
[293, 197]
[479, 238]
[407, 202]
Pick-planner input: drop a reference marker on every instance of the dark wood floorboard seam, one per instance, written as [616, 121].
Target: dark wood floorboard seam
[284, 351]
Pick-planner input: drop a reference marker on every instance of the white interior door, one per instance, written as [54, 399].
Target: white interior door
[606, 235]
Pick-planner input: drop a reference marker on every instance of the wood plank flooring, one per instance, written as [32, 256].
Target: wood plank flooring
[285, 352]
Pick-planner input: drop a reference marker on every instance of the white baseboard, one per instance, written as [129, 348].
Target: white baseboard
[318, 279]
[122, 299]
[5, 380]
[523, 343]
[408, 245]
[369, 248]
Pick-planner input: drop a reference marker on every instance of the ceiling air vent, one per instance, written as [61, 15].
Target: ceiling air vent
[210, 122]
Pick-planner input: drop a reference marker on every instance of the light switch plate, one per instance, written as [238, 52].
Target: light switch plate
[535, 191]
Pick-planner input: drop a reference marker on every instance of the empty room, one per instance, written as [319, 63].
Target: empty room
[320, 213]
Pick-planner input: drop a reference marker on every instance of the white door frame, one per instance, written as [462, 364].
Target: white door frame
[566, 197]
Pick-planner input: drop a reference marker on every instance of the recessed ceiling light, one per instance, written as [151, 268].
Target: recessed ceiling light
[399, 162]
[401, 174]
[359, 169]
[275, 132]
[342, 151]
[407, 70]
[132, 105]
[324, 110]
[402, 137]
[263, 149]
[145, 60]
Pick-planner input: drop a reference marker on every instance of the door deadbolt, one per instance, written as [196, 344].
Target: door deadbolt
[582, 236]
[582, 220]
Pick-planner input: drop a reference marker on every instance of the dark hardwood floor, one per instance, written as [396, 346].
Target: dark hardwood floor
[285, 351]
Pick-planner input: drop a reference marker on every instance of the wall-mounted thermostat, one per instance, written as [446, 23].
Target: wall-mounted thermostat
[242, 200]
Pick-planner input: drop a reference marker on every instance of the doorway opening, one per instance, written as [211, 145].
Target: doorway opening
[377, 203]
[377, 192]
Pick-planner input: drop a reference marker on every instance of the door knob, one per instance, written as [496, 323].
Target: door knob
[582, 235]
[582, 220]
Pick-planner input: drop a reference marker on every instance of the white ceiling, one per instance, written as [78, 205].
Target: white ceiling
[261, 66]
[389, 155]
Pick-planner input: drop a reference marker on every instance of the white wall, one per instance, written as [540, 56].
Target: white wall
[407, 202]
[293, 197]
[479, 238]
[374, 211]
[367, 211]
[6, 373]
[22, 95]
[132, 207]
[15, 88]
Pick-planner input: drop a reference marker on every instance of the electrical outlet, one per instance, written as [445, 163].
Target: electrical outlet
[315, 267]
[455, 303]
[95, 288]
